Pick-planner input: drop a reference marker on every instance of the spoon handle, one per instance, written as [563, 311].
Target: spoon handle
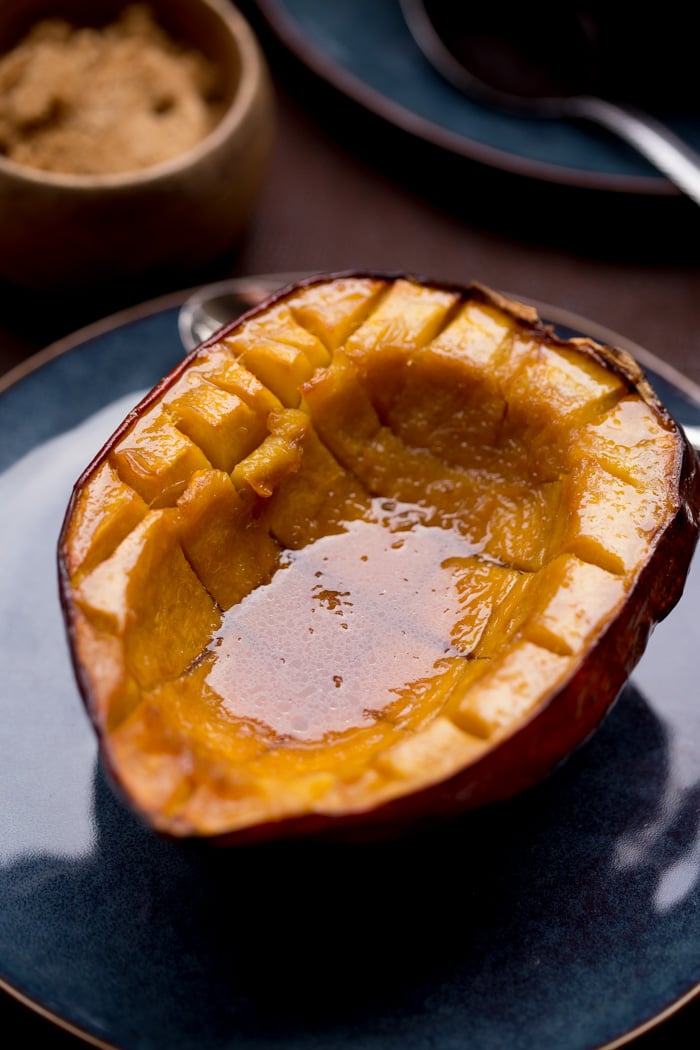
[654, 140]
[693, 435]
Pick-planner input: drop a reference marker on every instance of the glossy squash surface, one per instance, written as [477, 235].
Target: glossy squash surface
[381, 550]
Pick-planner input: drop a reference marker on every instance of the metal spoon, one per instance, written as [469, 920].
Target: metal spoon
[693, 435]
[666, 151]
[209, 308]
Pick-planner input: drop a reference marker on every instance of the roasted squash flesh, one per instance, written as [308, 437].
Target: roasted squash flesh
[358, 545]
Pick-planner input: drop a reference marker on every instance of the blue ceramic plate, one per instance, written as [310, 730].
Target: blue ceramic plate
[569, 917]
[364, 49]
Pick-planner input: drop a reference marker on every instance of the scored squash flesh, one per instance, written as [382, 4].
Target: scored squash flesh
[379, 551]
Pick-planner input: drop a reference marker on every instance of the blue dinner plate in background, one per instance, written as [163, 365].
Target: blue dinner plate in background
[364, 49]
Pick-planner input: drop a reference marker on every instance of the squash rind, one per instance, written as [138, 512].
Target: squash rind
[321, 393]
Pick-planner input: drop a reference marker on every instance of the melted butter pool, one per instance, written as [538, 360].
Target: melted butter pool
[343, 628]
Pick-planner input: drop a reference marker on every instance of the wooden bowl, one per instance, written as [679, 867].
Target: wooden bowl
[72, 231]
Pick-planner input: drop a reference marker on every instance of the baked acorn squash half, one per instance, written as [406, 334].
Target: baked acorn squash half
[380, 551]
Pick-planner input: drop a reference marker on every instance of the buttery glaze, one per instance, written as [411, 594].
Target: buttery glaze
[351, 622]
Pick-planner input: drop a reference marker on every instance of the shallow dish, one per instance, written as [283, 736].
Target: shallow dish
[569, 917]
[364, 49]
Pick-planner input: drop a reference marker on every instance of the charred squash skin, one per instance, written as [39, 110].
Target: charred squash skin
[364, 404]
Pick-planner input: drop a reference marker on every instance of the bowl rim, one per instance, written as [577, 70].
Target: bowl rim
[253, 73]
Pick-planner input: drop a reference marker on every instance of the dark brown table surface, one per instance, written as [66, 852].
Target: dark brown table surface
[345, 191]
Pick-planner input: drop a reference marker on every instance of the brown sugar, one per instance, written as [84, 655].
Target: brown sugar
[86, 100]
